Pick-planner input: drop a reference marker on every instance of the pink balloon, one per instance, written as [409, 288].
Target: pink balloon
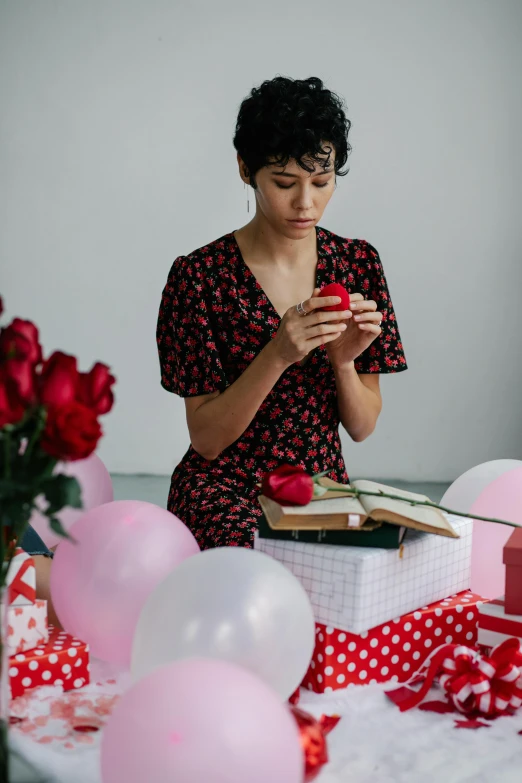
[96, 485]
[501, 499]
[201, 721]
[99, 584]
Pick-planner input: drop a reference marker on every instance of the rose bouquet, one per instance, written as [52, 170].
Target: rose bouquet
[49, 413]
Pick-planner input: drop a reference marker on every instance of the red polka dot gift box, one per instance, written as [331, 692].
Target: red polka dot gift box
[393, 650]
[355, 588]
[64, 661]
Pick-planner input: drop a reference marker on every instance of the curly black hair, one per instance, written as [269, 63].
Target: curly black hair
[291, 118]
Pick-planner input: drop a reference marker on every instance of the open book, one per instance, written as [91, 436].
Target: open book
[340, 511]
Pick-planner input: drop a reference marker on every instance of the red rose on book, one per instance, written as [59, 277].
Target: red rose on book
[72, 431]
[288, 484]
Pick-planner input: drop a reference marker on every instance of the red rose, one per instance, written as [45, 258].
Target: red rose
[72, 431]
[20, 352]
[288, 485]
[94, 389]
[12, 407]
[59, 380]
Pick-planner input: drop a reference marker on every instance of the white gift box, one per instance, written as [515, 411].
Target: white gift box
[26, 626]
[355, 588]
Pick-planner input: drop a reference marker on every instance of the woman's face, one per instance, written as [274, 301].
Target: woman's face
[286, 194]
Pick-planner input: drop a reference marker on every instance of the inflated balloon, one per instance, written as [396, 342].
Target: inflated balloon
[466, 488]
[232, 604]
[96, 486]
[501, 499]
[201, 721]
[466, 494]
[99, 583]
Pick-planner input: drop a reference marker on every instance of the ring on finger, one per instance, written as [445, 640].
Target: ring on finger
[300, 309]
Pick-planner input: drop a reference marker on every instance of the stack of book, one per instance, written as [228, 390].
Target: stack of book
[367, 564]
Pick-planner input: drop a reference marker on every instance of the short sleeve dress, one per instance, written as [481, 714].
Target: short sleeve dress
[214, 318]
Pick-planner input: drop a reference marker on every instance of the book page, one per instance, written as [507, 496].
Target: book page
[421, 514]
[345, 505]
[374, 486]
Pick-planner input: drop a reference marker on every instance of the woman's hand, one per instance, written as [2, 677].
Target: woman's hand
[298, 334]
[362, 329]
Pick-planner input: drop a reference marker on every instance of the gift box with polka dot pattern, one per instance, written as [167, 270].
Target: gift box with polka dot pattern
[392, 651]
[63, 660]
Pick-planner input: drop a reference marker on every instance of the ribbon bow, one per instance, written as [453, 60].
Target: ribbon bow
[20, 579]
[474, 684]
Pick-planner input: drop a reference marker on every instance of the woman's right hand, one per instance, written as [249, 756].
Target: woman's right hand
[299, 334]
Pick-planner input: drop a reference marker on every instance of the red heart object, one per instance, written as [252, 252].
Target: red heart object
[336, 289]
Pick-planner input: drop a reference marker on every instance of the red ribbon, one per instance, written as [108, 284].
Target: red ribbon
[474, 684]
[17, 585]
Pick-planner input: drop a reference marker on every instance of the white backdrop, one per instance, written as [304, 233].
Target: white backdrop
[116, 156]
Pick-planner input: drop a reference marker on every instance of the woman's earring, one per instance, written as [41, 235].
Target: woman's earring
[248, 201]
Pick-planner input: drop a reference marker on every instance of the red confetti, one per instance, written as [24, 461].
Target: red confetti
[470, 724]
[440, 707]
[294, 698]
[85, 728]
[400, 696]
[313, 743]
[328, 723]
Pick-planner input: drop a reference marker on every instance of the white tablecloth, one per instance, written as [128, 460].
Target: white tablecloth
[373, 741]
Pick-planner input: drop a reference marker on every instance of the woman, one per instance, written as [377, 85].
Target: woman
[267, 376]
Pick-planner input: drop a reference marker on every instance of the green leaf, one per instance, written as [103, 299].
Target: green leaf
[57, 527]
[61, 491]
[13, 488]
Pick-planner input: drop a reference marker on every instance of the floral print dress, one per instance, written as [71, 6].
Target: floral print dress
[214, 318]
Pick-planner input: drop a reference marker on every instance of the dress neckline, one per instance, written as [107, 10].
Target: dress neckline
[257, 284]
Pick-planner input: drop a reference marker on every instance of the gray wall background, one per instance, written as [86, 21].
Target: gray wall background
[116, 156]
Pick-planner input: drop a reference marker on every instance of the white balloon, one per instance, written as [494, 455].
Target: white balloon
[461, 495]
[233, 604]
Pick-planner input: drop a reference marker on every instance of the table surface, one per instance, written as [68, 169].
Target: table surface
[372, 742]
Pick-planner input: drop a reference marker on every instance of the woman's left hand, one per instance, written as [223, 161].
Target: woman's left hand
[361, 330]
